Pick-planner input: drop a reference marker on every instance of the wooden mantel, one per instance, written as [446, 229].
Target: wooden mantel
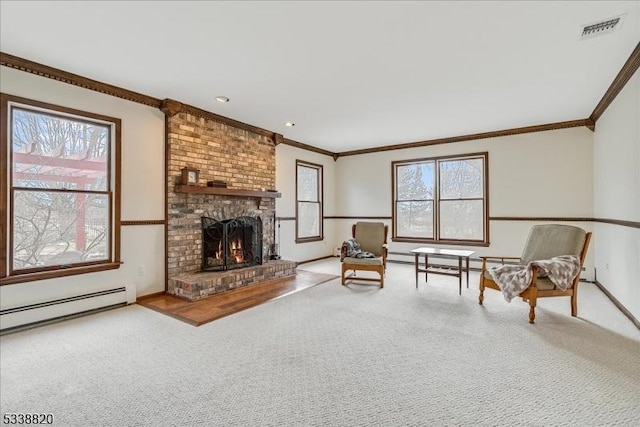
[200, 189]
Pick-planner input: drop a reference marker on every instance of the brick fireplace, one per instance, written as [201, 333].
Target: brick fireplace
[245, 161]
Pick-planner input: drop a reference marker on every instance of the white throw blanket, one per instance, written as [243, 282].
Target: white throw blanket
[513, 279]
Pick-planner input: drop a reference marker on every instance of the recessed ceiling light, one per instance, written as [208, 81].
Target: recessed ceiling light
[222, 99]
[289, 124]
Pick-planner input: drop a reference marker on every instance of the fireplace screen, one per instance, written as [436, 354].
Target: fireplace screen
[231, 243]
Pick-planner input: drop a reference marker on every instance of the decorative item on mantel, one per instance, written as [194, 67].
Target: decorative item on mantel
[217, 183]
[190, 176]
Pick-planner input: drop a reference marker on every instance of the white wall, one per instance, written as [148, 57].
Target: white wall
[544, 174]
[286, 157]
[142, 249]
[617, 196]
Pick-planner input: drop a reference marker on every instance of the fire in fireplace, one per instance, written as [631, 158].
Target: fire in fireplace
[231, 243]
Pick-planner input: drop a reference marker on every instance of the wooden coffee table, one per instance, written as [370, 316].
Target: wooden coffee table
[442, 253]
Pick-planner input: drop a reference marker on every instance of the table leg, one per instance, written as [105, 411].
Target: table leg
[426, 267]
[467, 272]
[415, 262]
[459, 275]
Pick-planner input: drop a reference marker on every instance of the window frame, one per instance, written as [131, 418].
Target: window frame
[320, 201]
[437, 200]
[9, 275]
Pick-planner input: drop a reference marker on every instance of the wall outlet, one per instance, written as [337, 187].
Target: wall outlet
[141, 270]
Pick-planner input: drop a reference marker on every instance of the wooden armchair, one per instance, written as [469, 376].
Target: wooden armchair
[372, 237]
[544, 242]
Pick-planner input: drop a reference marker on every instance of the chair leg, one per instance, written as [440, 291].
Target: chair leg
[574, 301]
[376, 269]
[481, 296]
[532, 307]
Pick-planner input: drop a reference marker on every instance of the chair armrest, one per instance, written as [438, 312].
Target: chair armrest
[497, 258]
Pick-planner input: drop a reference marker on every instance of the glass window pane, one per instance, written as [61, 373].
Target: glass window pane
[52, 152]
[414, 219]
[308, 220]
[307, 184]
[462, 219]
[58, 228]
[461, 179]
[415, 181]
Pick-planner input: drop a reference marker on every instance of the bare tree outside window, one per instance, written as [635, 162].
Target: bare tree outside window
[414, 203]
[59, 189]
[441, 199]
[462, 199]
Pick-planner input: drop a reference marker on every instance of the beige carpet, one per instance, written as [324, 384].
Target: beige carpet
[336, 356]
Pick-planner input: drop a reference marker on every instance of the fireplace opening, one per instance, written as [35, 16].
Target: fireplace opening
[231, 243]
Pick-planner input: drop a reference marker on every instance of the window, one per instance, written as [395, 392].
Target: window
[308, 202]
[441, 199]
[60, 189]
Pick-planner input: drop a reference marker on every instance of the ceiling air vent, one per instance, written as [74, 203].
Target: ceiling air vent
[601, 28]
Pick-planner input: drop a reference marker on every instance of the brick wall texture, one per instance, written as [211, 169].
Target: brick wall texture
[243, 159]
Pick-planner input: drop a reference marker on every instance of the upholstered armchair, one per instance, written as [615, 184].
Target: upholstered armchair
[544, 243]
[372, 237]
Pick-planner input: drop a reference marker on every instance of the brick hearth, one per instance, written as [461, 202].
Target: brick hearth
[198, 285]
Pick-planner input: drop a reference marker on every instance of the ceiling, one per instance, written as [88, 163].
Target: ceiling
[350, 75]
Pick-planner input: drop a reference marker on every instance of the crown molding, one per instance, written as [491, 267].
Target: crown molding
[307, 147]
[25, 65]
[471, 137]
[167, 106]
[171, 107]
[628, 70]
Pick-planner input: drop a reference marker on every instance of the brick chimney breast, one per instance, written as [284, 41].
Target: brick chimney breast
[241, 158]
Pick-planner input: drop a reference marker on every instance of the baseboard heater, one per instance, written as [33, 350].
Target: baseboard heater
[29, 316]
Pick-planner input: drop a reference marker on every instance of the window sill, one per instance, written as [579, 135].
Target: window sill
[310, 239]
[54, 274]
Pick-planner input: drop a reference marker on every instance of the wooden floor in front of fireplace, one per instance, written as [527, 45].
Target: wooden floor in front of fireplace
[223, 304]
